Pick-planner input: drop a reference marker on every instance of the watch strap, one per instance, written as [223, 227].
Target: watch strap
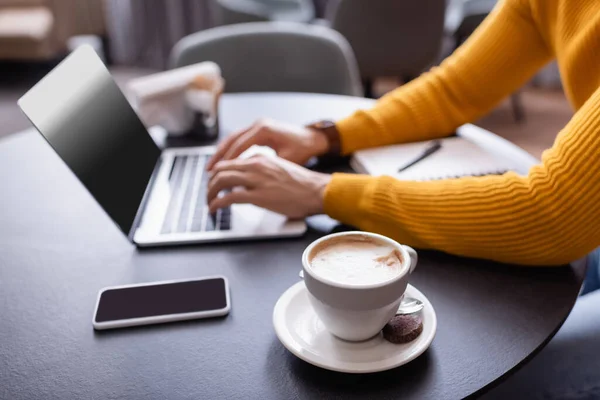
[330, 131]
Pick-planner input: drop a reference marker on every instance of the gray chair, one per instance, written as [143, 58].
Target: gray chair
[275, 57]
[229, 12]
[391, 37]
[473, 12]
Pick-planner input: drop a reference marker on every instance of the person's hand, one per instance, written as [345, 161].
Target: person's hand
[291, 142]
[272, 183]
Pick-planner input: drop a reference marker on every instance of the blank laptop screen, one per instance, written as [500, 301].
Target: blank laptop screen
[84, 116]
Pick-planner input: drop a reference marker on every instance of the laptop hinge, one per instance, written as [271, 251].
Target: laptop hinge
[142, 207]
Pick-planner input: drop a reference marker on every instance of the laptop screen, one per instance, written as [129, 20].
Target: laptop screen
[84, 116]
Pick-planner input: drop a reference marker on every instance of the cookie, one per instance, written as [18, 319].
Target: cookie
[403, 328]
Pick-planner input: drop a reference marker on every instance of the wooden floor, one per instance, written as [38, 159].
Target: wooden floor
[546, 111]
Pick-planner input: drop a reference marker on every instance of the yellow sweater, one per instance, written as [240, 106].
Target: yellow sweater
[551, 216]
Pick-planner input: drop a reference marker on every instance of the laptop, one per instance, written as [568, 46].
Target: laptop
[156, 198]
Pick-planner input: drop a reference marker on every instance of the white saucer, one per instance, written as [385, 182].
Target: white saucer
[301, 332]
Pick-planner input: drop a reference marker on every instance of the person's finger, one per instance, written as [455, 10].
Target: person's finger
[235, 197]
[244, 142]
[227, 180]
[223, 147]
[247, 165]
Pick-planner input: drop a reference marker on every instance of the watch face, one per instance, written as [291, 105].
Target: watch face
[324, 124]
[329, 129]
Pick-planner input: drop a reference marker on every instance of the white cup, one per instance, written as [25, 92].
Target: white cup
[357, 312]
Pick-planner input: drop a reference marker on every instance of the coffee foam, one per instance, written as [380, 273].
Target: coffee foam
[356, 260]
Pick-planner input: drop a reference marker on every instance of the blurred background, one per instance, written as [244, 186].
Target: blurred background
[136, 37]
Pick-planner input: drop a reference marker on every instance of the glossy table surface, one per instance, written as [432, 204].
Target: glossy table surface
[58, 249]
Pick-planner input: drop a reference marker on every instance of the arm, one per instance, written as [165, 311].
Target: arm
[551, 216]
[498, 58]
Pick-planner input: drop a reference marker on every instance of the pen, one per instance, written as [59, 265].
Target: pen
[432, 148]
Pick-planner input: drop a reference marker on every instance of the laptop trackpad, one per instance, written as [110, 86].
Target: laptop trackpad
[252, 219]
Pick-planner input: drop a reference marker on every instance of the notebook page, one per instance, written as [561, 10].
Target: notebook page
[457, 157]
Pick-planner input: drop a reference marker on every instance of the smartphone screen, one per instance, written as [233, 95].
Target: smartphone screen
[161, 299]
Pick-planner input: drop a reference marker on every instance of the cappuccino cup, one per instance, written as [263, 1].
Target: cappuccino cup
[356, 281]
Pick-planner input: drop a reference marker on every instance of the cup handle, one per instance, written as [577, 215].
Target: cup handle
[414, 258]
[301, 274]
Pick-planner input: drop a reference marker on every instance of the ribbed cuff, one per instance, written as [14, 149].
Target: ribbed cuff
[353, 132]
[347, 197]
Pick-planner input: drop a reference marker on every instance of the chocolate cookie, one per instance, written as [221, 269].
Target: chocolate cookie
[403, 328]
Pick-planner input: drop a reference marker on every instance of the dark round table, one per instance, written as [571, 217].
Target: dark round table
[58, 249]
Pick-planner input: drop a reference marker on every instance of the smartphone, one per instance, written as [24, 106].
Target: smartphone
[160, 302]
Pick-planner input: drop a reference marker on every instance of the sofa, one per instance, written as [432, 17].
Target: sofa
[40, 29]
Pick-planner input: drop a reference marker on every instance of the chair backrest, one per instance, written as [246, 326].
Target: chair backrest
[228, 12]
[391, 37]
[473, 12]
[275, 57]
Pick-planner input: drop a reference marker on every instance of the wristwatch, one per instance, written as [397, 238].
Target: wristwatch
[330, 131]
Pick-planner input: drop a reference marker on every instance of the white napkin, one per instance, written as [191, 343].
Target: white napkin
[170, 98]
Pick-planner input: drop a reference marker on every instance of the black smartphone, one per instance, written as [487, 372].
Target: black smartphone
[160, 302]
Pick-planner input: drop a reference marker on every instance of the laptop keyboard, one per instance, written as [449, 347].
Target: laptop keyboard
[187, 210]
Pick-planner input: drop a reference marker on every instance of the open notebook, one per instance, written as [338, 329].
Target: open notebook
[457, 157]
